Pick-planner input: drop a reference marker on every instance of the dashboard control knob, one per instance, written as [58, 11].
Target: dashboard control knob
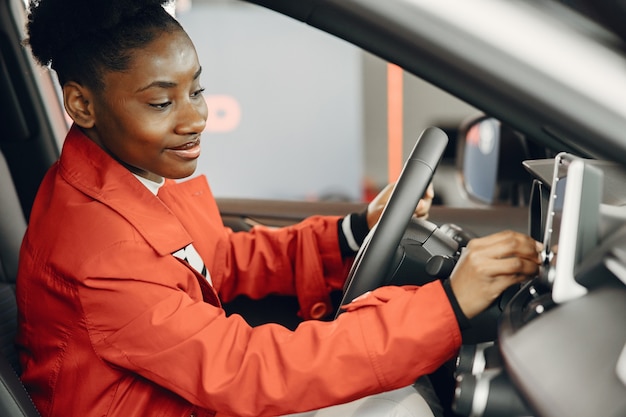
[472, 358]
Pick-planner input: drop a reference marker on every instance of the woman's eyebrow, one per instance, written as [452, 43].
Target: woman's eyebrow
[167, 84]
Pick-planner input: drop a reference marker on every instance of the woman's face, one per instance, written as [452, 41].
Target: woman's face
[150, 117]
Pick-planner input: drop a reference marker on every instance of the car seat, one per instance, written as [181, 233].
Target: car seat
[14, 400]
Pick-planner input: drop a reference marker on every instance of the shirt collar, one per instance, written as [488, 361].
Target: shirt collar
[153, 186]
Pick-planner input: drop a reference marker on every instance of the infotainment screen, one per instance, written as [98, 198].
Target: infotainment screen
[572, 222]
[555, 207]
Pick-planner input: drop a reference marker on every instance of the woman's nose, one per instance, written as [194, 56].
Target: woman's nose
[192, 117]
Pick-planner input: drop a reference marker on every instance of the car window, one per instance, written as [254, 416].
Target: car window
[296, 113]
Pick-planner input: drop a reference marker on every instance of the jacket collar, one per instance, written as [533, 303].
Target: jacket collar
[92, 171]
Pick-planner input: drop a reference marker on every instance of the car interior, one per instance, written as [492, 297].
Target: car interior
[14, 400]
[18, 112]
[530, 186]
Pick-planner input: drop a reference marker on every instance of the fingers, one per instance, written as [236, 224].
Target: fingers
[423, 206]
[505, 253]
[501, 237]
[376, 206]
[510, 267]
[489, 265]
[430, 192]
[507, 244]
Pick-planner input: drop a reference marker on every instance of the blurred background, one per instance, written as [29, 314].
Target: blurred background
[297, 114]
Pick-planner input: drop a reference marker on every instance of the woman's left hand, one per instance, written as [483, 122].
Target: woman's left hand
[376, 206]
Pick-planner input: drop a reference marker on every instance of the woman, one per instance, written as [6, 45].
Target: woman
[123, 270]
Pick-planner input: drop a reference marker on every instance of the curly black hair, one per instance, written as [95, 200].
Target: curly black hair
[82, 39]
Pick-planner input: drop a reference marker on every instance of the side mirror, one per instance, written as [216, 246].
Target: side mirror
[489, 158]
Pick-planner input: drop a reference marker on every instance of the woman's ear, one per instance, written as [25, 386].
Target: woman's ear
[78, 101]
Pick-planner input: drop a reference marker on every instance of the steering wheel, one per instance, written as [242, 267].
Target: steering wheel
[372, 262]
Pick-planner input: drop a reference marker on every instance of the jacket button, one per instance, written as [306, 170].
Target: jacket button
[318, 310]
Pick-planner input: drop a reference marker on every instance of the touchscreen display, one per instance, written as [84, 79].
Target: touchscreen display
[572, 223]
[555, 208]
[556, 214]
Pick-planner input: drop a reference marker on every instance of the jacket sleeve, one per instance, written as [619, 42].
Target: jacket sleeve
[303, 260]
[160, 328]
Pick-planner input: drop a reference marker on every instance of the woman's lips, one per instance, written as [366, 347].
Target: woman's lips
[189, 150]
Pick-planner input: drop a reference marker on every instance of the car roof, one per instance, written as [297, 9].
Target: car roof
[555, 75]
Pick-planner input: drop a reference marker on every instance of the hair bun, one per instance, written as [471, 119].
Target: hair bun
[53, 25]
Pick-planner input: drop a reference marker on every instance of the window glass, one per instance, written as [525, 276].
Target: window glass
[296, 113]
[285, 116]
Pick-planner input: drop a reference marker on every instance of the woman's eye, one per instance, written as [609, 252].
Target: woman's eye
[197, 93]
[160, 106]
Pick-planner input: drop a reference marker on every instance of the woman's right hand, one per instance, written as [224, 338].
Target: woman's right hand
[489, 265]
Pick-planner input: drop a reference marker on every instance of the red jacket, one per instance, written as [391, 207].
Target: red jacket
[112, 324]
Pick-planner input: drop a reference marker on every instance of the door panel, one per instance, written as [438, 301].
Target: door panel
[241, 214]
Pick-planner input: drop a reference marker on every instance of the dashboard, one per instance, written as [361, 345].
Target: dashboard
[560, 348]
